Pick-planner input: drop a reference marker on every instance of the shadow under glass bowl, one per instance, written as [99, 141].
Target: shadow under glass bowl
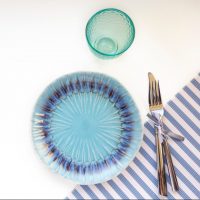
[110, 32]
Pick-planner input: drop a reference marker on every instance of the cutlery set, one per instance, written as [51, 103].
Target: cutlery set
[163, 153]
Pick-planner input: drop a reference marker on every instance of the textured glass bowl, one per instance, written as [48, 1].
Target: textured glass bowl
[110, 32]
[86, 127]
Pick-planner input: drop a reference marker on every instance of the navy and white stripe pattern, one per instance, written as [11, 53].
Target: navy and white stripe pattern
[139, 180]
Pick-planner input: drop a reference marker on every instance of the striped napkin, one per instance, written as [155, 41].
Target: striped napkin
[139, 180]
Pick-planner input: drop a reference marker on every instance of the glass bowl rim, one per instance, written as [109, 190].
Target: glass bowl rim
[118, 11]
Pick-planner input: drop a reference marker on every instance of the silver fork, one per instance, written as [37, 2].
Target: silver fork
[162, 146]
[156, 110]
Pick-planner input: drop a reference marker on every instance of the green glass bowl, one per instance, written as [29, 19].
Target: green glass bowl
[110, 32]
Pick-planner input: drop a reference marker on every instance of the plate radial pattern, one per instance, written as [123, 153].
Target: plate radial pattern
[86, 127]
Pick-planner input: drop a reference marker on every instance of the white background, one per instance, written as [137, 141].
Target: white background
[41, 40]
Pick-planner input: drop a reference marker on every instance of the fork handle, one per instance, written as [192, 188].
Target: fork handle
[170, 166]
[162, 184]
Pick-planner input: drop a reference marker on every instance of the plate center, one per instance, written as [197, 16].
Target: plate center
[84, 126]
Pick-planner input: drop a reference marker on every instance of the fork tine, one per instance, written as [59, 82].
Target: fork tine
[150, 89]
[154, 93]
[150, 93]
[160, 99]
[149, 98]
[157, 93]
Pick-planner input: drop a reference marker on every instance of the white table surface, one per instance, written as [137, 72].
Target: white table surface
[42, 40]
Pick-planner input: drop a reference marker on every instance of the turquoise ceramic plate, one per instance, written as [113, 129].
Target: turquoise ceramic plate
[86, 127]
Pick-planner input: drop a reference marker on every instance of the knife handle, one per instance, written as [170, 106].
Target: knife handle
[170, 166]
[162, 183]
